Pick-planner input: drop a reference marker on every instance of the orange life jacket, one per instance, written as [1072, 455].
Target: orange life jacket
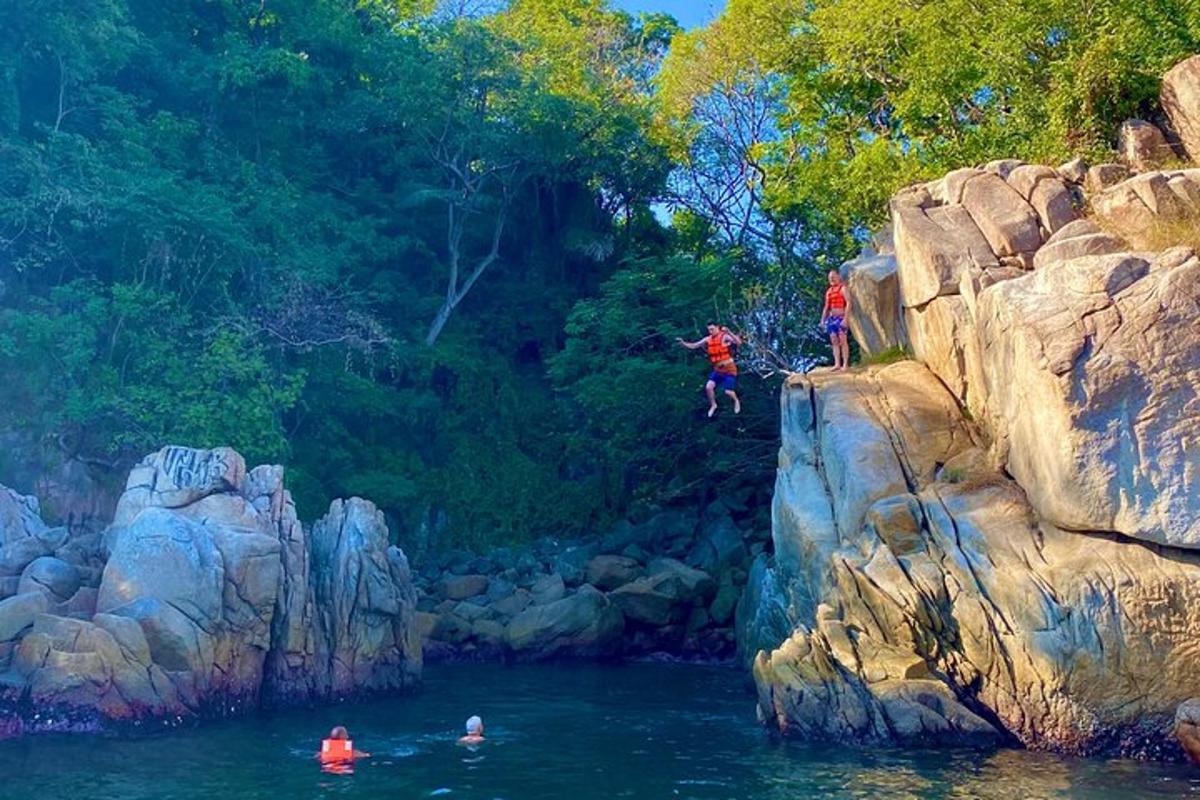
[835, 296]
[719, 354]
[336, 750]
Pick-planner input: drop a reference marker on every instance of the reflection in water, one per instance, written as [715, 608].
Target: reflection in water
[339, 768]
[573, 732]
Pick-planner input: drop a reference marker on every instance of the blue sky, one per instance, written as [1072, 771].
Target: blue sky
[690, 13]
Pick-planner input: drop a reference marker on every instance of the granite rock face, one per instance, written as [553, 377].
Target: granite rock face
[1082, 361]
[925, 600]
[999, 541]
[212, 598]
[877, 321]
[1181, 100]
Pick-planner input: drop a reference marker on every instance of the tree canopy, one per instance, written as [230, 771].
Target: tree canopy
[437, 252]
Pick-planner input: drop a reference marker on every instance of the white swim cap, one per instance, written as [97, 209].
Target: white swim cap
[474, 725]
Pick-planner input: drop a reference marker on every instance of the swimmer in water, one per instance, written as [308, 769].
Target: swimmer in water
[474, 732]
[338, 749]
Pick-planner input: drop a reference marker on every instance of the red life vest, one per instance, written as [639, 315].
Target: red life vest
[335, 751]
[836, 298]
[719, 354]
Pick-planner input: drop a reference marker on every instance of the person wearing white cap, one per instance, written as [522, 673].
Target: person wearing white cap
[474, 732]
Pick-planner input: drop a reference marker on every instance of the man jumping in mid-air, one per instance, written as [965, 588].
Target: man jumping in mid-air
[724, 370]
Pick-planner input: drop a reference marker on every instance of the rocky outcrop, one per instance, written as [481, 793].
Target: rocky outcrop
[1091, 368]
[1093, 349]
[363, 604]
[998, 540]
[877, 322]
[1142, 146]
[212, 598]
[1181, 101]
[926, 601]
[1147, 208]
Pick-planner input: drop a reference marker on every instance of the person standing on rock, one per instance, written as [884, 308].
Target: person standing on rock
[719, 343]
[834, 317]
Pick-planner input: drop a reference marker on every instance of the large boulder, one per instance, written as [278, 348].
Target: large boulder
[934, 245]
[20, 517]
[18, 613]
[1104, 176]
[364, 637]
[934, 605]
[19, 554]
[548, 589]
[1080, 238]
[461, 587]
[873, 282]
[719, 547]
[655, 601]
[103, 665]
[1142, 146]
[175, 477]
[1092, 369]
[608, 572]
[1181, 100]
[168, 573]
[941, 334]
[583, 624]
[54, 576]
[666, 596]
[1007, 221]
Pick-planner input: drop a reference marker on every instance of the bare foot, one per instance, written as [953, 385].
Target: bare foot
[711, 410]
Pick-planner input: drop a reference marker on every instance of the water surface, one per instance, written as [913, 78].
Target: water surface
[563, 732]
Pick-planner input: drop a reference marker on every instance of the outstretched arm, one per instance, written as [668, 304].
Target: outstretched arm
[846, 294]
[691, 345]
[733, 337]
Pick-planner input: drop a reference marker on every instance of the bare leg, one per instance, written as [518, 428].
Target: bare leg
[844, 341]
[837, 352]
[710, 389]
[737, 404]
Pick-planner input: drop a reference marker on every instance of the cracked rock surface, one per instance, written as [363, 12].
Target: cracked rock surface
[1000, 539]
[210, 598]
[930, 603]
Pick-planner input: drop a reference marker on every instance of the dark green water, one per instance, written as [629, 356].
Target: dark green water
[573, 732]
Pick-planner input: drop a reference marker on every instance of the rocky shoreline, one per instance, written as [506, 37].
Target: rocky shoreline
[667, 587]
[205, 597]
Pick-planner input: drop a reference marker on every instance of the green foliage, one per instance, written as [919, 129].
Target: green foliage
[641, 431]
[126, 367]
[877, 94]
[226, 223]
[889, 356]
[415, 254]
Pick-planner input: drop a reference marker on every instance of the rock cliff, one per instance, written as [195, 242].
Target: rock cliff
[205, 596]
[999, 540]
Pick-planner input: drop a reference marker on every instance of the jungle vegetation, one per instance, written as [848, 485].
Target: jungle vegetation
[437, 253]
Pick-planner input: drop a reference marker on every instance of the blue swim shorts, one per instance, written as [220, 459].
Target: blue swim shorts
[723, 380]
[835, 325]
